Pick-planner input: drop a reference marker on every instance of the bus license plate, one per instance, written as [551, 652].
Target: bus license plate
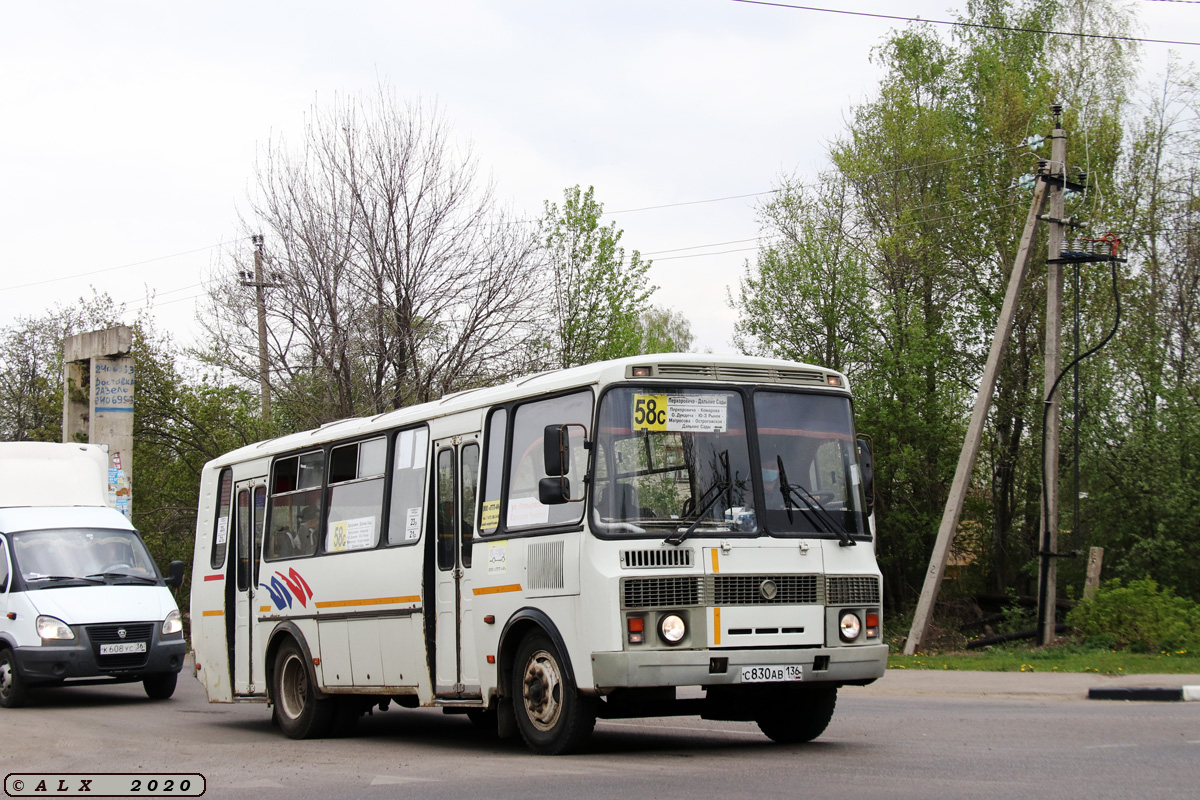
[786, 672]
[117, 648]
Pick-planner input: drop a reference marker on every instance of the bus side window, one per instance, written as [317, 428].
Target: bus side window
[469, 489]
[405, 517]
[295, 520]
[493, 472]
[221, 523]
[527, 466]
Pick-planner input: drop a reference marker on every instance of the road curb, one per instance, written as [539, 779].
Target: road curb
[1155, 693]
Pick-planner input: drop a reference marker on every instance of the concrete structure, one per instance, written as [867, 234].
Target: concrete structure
[98, 395]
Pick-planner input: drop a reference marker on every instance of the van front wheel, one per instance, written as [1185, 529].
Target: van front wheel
[13, 691]
[161, 686]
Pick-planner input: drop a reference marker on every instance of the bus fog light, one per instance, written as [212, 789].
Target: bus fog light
[849, 626]
[872, 624]
[52, 628]
[637, 630]
[672, 628]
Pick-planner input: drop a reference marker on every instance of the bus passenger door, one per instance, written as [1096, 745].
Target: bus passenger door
[246, 547]
[457, 484]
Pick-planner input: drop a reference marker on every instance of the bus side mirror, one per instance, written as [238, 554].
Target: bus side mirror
[554, 491]
[556, 444]
[866, 463]
[174, 577]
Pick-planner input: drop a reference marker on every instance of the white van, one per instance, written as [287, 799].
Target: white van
[81, 599]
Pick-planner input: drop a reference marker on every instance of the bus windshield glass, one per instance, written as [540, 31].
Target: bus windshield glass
[809, 468]
[672, 461]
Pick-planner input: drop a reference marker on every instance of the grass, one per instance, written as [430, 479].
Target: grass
[1056, 658]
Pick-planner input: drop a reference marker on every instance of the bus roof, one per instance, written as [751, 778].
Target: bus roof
[663, 367]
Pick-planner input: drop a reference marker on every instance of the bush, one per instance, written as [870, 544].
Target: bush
[1139, 617]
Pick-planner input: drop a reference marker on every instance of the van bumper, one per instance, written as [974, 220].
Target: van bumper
[827, 666]
[81, 657]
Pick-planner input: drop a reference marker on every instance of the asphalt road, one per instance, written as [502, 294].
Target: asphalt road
[913, 734]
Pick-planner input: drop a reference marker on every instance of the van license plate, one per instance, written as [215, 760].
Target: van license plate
[786, 672]
[117, 648]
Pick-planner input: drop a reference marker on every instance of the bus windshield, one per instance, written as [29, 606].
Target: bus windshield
[808, 464]
[679, 462]
[670, 461]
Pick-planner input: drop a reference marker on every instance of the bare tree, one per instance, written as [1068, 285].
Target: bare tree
[394, 276]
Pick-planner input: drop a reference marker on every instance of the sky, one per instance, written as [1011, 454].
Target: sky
[129, 130]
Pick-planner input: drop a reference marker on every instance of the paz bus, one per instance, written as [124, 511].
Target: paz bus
[577, 544]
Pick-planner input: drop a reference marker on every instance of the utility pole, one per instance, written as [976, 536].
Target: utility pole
[1048, 572]
[260, 287]
[970, 449]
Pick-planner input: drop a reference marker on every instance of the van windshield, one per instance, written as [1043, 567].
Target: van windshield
[50, 557]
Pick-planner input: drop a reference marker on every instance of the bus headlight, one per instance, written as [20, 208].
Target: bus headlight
[849, 626]
[672, 628]
[53, 629]
[172, 624]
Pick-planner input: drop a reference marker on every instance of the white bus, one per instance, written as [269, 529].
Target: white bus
[576, 544]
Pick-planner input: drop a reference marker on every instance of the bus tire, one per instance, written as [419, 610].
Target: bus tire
[160, 686]
[552, 716]
[801, 717]
[13, 691]
[301, 714]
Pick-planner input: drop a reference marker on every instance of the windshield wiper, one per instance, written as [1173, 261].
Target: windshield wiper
[57, 578]
[719, 487]
[811, 507]
[113, 575]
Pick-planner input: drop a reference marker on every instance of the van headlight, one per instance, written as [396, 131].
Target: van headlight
[172, 624]
[53, 629]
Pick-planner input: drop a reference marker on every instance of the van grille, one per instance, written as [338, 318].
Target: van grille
[107, 634]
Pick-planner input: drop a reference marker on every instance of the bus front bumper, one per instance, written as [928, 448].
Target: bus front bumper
[824, 665]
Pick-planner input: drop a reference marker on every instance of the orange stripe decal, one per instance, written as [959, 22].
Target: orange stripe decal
[716, 566]
[263, 609]
[369, 601]
[217, 613]
[512, 587]
[716, 624]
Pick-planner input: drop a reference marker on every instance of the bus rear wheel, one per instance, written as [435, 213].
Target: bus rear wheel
[300, 713]
[552, 716]
[800, 717]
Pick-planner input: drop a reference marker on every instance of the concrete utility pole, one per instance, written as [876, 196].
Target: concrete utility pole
[260, 287]
[98, 390]
[970, 449]
[1048, 574]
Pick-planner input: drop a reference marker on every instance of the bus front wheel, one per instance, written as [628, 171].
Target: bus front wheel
[300, 713]
[799, 717]
[552, 715]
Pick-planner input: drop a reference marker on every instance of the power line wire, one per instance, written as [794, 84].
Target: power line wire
[110, 269]
[966, 24]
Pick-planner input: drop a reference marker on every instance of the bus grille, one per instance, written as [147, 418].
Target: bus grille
[661, 557]
[747, 590]
[662, 592]
[852, 590]
[107, 634]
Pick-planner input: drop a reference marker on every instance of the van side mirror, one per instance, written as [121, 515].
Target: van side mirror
[174, 577]
[866, 463]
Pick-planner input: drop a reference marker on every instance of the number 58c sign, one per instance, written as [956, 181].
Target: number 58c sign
[700, 413]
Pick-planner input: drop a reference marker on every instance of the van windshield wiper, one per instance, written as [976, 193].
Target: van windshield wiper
[58, 578]
[811, 507]
[115, 575]
[719, 487]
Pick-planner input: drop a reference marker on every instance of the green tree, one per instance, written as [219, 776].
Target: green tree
[600, 297]
[663, 330]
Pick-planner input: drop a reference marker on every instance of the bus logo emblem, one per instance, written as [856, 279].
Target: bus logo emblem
[768, 589]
